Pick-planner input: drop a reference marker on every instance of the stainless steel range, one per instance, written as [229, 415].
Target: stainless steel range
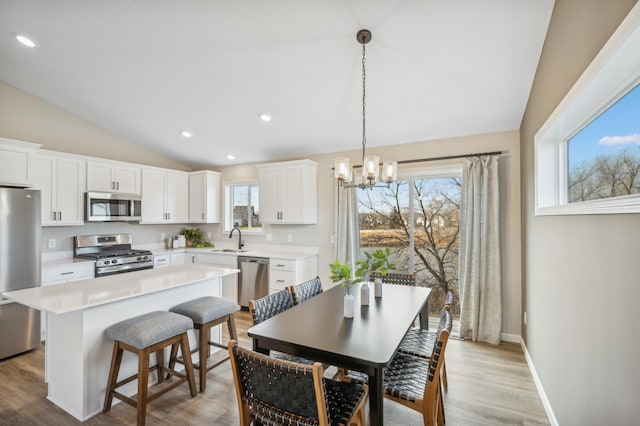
[113, 253]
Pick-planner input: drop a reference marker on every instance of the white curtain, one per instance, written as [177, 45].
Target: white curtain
[479, 264]
[347, 228]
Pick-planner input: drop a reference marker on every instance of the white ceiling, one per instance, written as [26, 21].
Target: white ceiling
[147, 69]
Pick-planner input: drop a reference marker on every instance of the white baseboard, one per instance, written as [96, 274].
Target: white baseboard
[543, 396]
[514, 338]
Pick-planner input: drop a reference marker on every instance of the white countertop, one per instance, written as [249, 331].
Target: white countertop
[78, 295]
[276, 253]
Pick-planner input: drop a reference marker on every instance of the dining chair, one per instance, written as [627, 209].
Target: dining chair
[271, 391]
[306, 290]
[415, 382]
[264, 308]
[395, 278]
[419, 342]
[268, 306]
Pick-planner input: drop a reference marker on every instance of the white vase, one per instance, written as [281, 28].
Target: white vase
[364, 293]
[377, 287]
[349, 302]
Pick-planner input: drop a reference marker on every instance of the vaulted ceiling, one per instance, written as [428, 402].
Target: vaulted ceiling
[148, 69]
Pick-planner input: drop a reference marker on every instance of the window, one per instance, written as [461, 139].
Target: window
[604, 157]
[242, 207]
[587, 154]
[417, 217]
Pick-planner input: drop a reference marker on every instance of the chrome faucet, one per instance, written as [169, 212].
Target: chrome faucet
[240, 242]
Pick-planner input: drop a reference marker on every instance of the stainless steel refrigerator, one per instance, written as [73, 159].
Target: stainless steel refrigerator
[19, 268]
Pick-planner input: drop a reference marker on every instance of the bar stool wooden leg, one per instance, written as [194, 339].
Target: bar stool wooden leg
[116, 359]
[203, 348]
[143, 384]
[188, 365]
[231, 323]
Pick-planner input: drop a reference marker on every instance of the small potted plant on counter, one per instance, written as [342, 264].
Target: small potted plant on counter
[195, 238]
[341, 274]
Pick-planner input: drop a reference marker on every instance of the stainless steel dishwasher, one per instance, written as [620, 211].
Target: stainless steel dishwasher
[253, 281]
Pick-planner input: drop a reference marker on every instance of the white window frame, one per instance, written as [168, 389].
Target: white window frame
[227, 213]
[611, 75]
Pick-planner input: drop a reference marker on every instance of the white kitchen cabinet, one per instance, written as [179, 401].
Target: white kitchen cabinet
[161, 260]
[165, 196]
[287, 272]
[61, 181]
[113, 176]
[288, 192]
[166, 259]
[17, 162]
[178, 258]
[229, 282]
[204, 197]
[63, 273]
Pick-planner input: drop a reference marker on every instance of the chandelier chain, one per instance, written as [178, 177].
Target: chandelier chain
[364, 102]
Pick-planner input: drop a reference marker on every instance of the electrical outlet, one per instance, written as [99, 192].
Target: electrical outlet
[269, 236]
[333, 239]
[51, 243]
[163, 236]
[209, 235]
[289, 237]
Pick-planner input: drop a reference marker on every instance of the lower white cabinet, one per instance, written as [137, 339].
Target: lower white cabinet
[286, 272]
[63, 273]
[230, 282]
[166, 259]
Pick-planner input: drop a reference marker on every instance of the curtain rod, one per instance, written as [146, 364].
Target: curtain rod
[447, 157]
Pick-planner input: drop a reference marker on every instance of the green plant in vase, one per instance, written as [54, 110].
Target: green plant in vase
[378, 261]
[341, 274]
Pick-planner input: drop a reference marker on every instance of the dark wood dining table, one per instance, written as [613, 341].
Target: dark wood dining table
[317, 329]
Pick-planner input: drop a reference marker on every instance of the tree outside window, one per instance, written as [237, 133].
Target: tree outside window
[419, 220]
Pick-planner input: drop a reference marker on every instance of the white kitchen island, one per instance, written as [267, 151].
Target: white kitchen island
[78, 352]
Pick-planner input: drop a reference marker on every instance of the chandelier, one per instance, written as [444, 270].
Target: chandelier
[370, 163]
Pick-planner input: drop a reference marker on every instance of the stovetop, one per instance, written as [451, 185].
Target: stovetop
[113, 253]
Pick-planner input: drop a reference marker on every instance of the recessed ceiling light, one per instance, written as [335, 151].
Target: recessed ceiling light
[26, 41]
[265, 117]
[186, 133]
[230, 157]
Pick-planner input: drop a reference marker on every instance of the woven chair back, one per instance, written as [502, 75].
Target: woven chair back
[278, 391]
[306, 290]
[268, 306]
[437, 357]
[449, 300]
[395, 278]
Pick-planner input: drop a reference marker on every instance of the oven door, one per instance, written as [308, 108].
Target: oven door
[107, 207]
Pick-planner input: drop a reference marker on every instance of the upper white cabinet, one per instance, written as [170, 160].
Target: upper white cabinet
[112, 176]
[288, 193]
[17, 162]
[165, 196]
[62, 184]
[204, 197]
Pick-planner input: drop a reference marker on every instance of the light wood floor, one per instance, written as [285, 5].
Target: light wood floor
[488, 385]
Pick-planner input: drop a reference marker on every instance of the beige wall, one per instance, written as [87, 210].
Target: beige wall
[320, 235]
[27, 118]
[580, 273]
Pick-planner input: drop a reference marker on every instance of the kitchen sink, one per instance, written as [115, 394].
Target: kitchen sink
[228, 251]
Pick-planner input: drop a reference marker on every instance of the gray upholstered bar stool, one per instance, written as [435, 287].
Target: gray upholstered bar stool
[144, 335]
[207, 312]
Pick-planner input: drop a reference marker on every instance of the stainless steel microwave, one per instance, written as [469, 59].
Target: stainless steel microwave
[109, 207]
